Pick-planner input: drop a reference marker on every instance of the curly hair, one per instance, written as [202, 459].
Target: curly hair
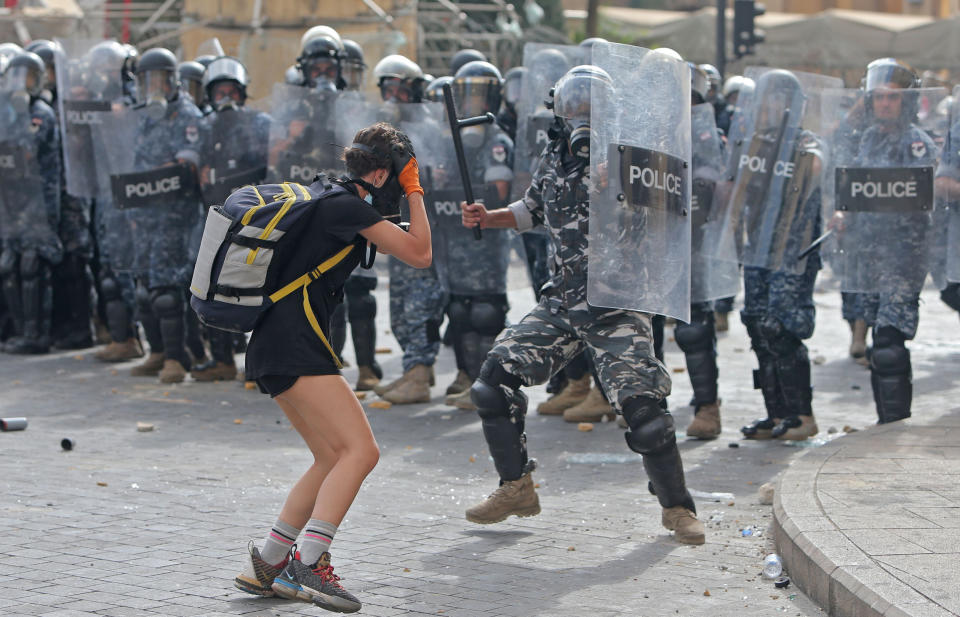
[381, 140]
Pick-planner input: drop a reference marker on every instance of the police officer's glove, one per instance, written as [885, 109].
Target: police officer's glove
[407, 170]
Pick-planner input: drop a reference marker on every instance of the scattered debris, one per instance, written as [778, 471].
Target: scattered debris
[361, 395]
[249, 385]
[782, 583]
[381, 404]
[850, 429]
[706, 592]
[79, 356]
[101, 483]
[679, 369]
[819, 360]
[832, 430]
[144, 427]
[766, 494]
[855, 387]
[772, 566]
[238, 421]
[384, 350]
[571, 548]
[67, 444]
[718, 497]
[733, 444]
[472, 459]
[406, 569]
[13, 424]
[585, 427]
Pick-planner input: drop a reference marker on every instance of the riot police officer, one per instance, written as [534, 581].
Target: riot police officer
[169, 133]
[512, 89]
[30, 199]
[416, 296]
[191, 80]
[352, 66]
[465, 56]
[562, 324]
[234, 154]
[319, 63]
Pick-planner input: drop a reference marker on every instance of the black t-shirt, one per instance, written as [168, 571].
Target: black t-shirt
[283, 343]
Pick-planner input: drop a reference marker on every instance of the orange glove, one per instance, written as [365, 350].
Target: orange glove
[409, 177]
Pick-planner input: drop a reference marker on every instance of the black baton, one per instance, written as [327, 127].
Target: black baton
[455, 126]
[813, 245]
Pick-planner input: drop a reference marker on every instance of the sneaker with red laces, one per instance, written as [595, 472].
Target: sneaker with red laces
[258, 575]
[316, 583]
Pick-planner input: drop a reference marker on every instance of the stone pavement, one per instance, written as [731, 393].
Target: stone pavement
[870, 525]
[156, 523]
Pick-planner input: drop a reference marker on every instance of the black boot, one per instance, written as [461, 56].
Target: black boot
[37, 298]
[891, 375]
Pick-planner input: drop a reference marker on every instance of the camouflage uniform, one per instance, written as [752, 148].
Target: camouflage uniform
[31, 218]
[561, 326]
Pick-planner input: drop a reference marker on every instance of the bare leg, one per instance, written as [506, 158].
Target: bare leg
[327, 415]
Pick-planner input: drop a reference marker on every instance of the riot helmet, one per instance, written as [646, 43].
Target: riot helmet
[571, 104]
[881, 81]
[191, 80]
[399, 78]
[477, 91]
[225, 83]
[465, 56]
[106, 63]
[588, 43]
[668, 52]
[352, 65]
[778, 92]
[292, 76]
[735, 86]
[48, 52]
[157, 81]
[434, 90]
[9, 50]
[26, 73]
[321, 32]
[699, 84]
[205, 59]
[714, 80]
[319, 62]
[513, 87]
[550, 64]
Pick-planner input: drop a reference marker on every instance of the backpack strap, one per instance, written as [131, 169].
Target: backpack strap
[303, 282]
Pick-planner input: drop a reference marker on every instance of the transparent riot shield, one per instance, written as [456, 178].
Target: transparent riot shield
[639, 234]
[302, 139]
[945, 244]
[881, 184]
[712, 275]
[772, 202]
[27, 220]
[545, 64]
[234, 152]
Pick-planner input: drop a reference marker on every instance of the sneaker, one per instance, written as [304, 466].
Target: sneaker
[317, 584]
[516, 498]
[258, 575]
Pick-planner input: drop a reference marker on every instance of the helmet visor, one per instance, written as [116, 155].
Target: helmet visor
[888, 75]
[156, 85]
[475, 96]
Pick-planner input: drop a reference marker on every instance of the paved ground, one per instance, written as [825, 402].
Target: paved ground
[870, 525]
[156, 523]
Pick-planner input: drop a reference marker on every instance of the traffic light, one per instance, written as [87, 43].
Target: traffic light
[745, 36]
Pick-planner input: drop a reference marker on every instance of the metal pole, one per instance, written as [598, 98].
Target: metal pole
[722, 37]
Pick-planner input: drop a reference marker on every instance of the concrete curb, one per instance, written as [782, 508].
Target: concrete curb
[819, 556]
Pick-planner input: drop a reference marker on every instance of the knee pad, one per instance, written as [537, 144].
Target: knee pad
[8, 263]
[487, 318]
[651, 428]
[362, 306]
[887, 336]
[694, 336]
[459, 312]
[110, 289]
[487, 394]
[780, 341]
[29, 265]
[142, 297]
[889, 359]
[167, 303]
[359, 285]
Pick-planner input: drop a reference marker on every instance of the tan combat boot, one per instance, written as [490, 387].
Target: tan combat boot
[172, 372]
[795, 428]
[149, 367]
[858, 342]
[382, 388]
[461, 401]
[517, 498]
[367, 379]
[220, 371]
[593, 408]
[684, 525]
[720, 322]
[415, 387]
[572, 394]
[706, 422]
[120, 352]
[461, 383]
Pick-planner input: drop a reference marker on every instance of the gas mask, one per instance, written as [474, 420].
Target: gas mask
[18, 86]
[157, 90]
[571, 106]
[577, 132]
[385, 199]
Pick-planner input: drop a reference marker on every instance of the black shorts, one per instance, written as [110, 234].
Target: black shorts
[274, 385]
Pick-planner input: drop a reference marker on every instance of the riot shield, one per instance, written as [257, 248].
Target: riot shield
[84, 96]
[545, 63]
[639, 233]
[712, 275]
[302, 139]
[234, 153]
[945, 246]
[26, 219]
[881, 188]
[772, 208]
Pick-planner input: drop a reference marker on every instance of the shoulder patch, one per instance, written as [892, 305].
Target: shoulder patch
[499, 153]
[192, 134]
[918, 149]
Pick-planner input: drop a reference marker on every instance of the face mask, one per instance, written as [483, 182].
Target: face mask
[369, 198]
[156, 109]
[322, 84]
[580, 142]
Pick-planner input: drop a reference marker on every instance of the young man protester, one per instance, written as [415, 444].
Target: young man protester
[563, 324]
